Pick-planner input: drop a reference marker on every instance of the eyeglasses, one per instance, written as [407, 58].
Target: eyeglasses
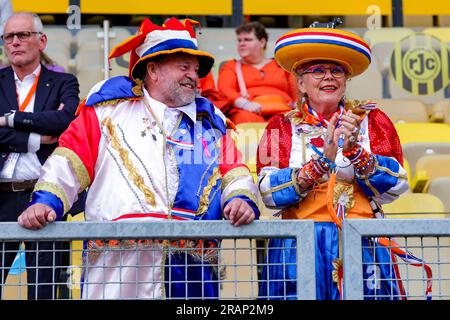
[22, 36]
[319, 72]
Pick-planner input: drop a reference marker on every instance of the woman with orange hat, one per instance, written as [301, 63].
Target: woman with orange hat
[329, 159]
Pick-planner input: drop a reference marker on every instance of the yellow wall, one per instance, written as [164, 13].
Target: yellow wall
[224, 7]
[44, 6]
[175, 7]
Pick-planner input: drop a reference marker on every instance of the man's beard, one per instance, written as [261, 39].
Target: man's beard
[178, 94]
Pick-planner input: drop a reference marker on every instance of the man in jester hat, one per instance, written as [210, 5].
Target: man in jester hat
[149, 149]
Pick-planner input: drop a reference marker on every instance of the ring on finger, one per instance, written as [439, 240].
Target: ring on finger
[354, 129]
[352, 139]
[329, 141]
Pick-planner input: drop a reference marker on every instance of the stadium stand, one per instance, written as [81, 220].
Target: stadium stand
[423, 132]
[443, 20]
[368, 85]
[413, 151]
[440, 187]
[429, 168]
[396, 92]
[440, 111]
[386, 35]
[442, 33]
[404, 110]
[415, 205]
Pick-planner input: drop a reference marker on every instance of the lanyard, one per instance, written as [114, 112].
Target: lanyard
[30, 94]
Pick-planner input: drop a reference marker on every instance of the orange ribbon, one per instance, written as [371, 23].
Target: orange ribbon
[30, 94]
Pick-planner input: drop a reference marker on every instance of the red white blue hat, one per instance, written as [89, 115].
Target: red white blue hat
[301, 46]
[152, 40]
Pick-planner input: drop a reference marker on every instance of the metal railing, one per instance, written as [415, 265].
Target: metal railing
[301, 231]
[428, 239]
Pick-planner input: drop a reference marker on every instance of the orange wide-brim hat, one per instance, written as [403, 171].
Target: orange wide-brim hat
[302, 46]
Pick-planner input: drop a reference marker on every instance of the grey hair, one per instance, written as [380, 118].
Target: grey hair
[38, 26]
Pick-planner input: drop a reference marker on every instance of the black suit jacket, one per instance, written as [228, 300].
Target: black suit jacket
[53, 88]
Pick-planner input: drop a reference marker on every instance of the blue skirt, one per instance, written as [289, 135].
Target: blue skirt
[278, 279]
[186, 278]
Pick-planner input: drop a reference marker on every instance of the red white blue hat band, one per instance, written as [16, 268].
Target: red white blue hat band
[311, 44]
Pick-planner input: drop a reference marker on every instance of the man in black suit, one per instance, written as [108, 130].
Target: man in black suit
[36, 106]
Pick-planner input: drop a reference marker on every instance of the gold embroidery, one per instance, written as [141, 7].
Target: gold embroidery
[343, 194]
[204, 199]
[337, 267]
[392, 173]
[137, 89]
[114, 101]
[56, 190]
[355, 106]
[77, 165]
[233, 174]
[279, 187]
[133, 173]
[241, 192]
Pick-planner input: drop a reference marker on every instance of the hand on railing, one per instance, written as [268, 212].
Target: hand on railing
[36, 216]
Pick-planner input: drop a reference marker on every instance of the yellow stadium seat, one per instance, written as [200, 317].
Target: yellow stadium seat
[386, 35]
[415, 205]
[440, 187]
[412, 151]
[368, 85]
[440, 111]
[429, 168]
[423, 132]
[403, 110]
[247, 137]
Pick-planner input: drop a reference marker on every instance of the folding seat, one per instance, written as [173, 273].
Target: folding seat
[413, 151]
[415, 205]
[428, 168]
[404, 110]
[440, 111]
[440, 187]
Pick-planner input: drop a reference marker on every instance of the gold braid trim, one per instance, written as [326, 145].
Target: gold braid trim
[392, 173]
[242, 192]
[114, 101]
[204, 199]
[56, 190]
[233, 174]
[337, 268]
[77, 165]
[132, 171]
[137, 89]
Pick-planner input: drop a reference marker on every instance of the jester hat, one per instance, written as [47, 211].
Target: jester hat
[153, 41]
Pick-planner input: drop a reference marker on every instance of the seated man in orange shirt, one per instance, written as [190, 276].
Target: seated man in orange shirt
[254, 76]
